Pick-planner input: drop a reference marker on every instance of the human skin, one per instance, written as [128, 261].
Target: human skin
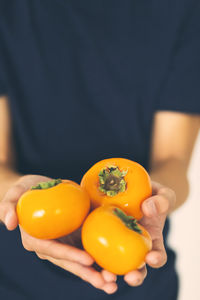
[171, 150]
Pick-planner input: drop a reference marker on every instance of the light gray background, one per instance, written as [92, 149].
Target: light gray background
[185, 233]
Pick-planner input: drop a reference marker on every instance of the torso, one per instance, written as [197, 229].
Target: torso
[83, 80]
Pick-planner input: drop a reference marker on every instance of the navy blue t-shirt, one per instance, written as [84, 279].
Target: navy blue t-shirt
[84, 80]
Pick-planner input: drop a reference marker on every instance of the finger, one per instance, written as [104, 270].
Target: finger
[56, 249]
[157, 257]
[110, 288]
[11, 220]
[87, 274]
[7, 206]
[8, 215]
[136, 277]
[159, 204]
[156, 186]
[155, 205]
[108, 276]
[165, 193]
[27, 181]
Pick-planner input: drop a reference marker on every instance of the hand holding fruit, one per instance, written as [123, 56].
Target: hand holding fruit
[155, 210]
[66, 256]
[127, 185]
[121, 183]
[117, 241]
[53, 209]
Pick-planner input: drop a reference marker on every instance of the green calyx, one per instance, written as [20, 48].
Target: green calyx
[46, 184]
[111, 181]
[129, 221]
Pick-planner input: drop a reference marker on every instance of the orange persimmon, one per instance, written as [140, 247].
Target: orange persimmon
[120, 182]
[53, 209]
[116, 241]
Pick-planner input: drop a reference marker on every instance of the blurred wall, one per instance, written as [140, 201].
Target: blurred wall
[185, 234]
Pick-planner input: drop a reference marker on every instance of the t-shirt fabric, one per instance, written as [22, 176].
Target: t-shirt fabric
[84, 80]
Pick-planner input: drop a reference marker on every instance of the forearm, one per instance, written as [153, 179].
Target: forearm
[173, 174]
[8, 177]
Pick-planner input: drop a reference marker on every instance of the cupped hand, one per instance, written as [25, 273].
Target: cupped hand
[155, 210]
[67, 252]
[8, 204]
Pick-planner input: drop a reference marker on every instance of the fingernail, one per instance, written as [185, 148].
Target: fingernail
[151, 207]
[8, 217]
[154, 260]
[110, 289]
[133, 279]
[137, 281]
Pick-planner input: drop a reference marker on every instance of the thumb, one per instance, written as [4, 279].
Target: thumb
[8, 213]
[11, 221]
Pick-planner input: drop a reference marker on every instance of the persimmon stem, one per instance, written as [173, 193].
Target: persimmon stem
[129, 221]
[111, 181]
[46, 184]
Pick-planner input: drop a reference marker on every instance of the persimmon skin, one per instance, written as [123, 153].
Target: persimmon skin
[112, 244]
[138, 186]
[54, 212]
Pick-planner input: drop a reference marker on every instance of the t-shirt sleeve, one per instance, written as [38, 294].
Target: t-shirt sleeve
[181, 89]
